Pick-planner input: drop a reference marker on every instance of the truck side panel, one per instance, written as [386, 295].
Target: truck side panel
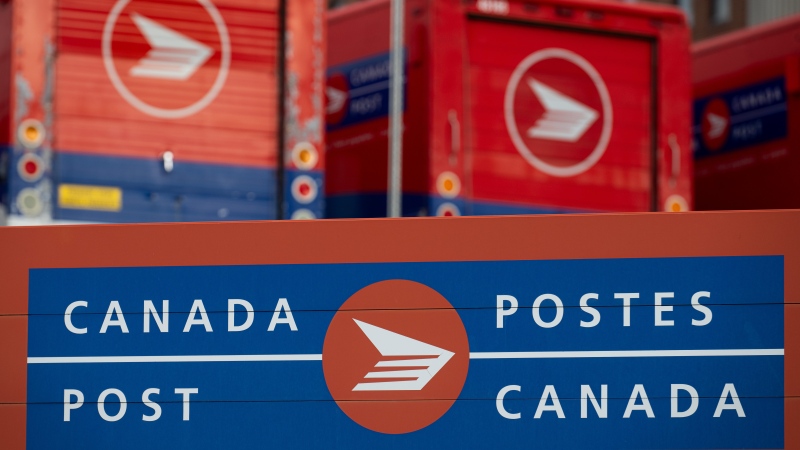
[556, 106]
[194, 140]
[357, 124]
[746, 132]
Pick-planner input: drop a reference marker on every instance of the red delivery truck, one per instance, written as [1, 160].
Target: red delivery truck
[746, 88]
[512, 107]
[161, 110]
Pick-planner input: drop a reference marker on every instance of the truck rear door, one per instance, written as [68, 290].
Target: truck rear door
[560, 119]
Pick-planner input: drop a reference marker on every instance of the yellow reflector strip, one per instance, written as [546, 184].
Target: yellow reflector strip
[100, 198]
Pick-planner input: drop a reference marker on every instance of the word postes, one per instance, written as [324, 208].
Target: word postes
[507, 305]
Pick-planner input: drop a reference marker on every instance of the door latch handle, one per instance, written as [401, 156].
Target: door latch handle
[675, 148]
[455, 135]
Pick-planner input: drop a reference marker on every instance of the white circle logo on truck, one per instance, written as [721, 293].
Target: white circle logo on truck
[166, 62]
[558, 112]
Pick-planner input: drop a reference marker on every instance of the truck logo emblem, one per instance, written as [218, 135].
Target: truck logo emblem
[172, 56]
[395, 356]
[558, 112]
[393, 344]
[336, 99]
[565, 119]
[718, 125]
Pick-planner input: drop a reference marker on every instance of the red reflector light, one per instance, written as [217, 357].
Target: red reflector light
[31, 167]
[304, 189]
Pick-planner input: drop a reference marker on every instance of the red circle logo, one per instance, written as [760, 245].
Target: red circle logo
[395, 356]
[716, 124]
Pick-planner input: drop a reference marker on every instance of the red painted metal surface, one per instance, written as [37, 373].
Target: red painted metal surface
[761, 176]
[305, 73]
[461, 60]
[357, 155]
[5, 74]
[621, 179]
[31, 40]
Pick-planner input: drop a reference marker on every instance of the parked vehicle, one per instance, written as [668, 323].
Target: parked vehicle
[512, 107]
[149, 110]
[747, 118]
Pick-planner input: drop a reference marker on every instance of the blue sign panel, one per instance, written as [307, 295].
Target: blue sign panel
[741, 118]
[618, 353]
[358, 91]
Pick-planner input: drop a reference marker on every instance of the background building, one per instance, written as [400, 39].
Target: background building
[714, 17]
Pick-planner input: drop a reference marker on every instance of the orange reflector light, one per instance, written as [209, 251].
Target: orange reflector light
[305, 156]
[676, 203]
[31, 133]
[448, 185]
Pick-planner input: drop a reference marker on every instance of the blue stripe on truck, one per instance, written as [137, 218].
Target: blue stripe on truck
[190, 192]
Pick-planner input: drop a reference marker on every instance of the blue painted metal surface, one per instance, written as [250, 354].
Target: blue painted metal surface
[286, 403]
[5, 167]
[365, 205]
[190, 192]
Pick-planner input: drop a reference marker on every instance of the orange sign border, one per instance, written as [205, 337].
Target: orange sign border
[587, 236]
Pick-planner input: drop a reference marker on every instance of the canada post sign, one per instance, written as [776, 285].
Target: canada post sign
[596, 353]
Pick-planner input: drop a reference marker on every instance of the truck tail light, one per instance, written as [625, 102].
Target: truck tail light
[29, 202]
[303, 214]
[448, 209]
[30, 167]
[676, 203]
[448, 185]
[31, 133]
[305, 156]
[304, 189]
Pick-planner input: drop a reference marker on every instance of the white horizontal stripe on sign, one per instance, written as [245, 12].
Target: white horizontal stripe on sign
[178, 358]
[473, 355]
[628, 354]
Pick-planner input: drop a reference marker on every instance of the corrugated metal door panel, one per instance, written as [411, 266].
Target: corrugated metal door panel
[163, 97]
[540, 118]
